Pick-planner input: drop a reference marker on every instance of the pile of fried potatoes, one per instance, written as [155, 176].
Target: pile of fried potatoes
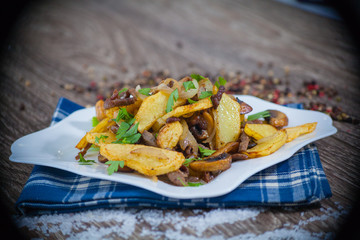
[187, 129]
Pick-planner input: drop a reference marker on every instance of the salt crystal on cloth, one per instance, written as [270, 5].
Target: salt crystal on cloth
[171, 224]
[300, 180]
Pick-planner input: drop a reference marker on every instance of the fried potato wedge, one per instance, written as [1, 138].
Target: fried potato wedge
[294, 132]
[169, 135]
[100, 138]
[150, 161]
[150, 110]
[183, 110]
[111, 112]
[100, 128]
[268, 145]
[227, 121]
[259, 131]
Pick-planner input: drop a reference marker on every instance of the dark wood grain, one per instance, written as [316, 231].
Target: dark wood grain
[75, 42]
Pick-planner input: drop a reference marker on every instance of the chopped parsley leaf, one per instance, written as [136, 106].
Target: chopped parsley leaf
[205, 94]
[188, 85]
[220, 82]
[172, 99]
[123, 115]
[189, 160]
[262, 114]
[145, 91]
[190, 184]
[197, 77]
[83, 161]
[103, 137]
[127, 135]
[206, 152]
[191, 101]
[94, 121]
[114, 166]
[122, 90]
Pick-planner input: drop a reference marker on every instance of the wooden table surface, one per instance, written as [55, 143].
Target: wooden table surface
[57, 45]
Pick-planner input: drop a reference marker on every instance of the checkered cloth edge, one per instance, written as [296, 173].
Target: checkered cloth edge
[300, 180]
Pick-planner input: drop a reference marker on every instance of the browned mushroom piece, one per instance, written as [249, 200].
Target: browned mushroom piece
[120, 99]
[244, 107]
[244, 142]
[213, 163]
[149, 139]
[239, 156]
[277, 119]
[102, 159]
[179, 177]
[125, 169]
[228, 148]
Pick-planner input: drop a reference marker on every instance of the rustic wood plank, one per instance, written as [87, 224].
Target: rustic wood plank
[65, 42]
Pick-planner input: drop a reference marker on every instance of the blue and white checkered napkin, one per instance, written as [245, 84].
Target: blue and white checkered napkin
[298, 181]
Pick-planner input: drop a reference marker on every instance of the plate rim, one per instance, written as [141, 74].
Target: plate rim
[192, 193]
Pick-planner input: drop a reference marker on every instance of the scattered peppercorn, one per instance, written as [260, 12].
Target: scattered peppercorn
[312, 94]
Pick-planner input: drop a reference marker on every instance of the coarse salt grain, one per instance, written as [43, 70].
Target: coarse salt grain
[171, 224]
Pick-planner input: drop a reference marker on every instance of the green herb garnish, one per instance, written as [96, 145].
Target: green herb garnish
[206, 152]
[189, 160]
[83, 161]
[103, 137]
[132, 131]
[131, 139]
[145, 91]
[205, 94]
[220, 82]
[262, 114]
[197, 77]
[124, 126]
[114, 166]
[172, 99]
[194, 184]
[190, 184]
[127, 135]
[191, 101]
[94, 148]
[122, 90]
[188, 85]
[94, 121]
[123, 115]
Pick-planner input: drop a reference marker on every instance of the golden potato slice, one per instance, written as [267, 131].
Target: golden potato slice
[150, 161]
[259, 131]
[227, 121]
[150, 110]
[101, 127]
[294, 132]
[149, 152]
[182, 110]
[179, 103]
[268, 145]
[111, 112]
[169, 135]
[106, 137]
